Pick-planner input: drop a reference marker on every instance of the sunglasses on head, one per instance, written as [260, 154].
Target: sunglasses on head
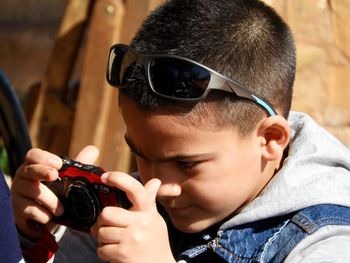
[173, 77]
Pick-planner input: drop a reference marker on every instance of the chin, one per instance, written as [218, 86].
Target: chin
[191, 228]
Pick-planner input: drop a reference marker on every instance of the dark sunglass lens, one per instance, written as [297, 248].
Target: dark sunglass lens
[120, 64]
[178, 78]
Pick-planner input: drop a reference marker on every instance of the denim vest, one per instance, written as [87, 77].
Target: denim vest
[269, 240]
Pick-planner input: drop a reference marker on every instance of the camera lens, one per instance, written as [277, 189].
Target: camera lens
[83, 205]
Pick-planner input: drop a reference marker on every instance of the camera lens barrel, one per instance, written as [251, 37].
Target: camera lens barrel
[82, 205]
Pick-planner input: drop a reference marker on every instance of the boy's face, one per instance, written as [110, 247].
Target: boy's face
[206, 175]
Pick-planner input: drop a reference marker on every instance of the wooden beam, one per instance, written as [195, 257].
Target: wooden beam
[96, 97]
[51, 120]
[136, 12]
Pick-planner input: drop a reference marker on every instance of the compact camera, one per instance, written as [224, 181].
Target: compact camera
[83, 195]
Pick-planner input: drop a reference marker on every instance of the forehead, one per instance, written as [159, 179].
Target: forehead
[174, 117]
[213, 113]
[148, 122]
[151, 129]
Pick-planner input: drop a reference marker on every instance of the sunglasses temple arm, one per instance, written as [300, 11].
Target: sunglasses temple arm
[264, 104]
[244, 93]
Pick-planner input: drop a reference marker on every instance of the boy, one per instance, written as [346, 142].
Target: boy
[234, 180]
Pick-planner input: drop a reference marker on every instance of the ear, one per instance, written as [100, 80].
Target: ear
[274, 133]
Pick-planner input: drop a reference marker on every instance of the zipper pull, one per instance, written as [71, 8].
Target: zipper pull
[213, 244]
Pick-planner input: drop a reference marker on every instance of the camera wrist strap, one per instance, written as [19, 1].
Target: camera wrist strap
[44, 249]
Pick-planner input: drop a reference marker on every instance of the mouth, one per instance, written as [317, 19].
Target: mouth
[178, 211]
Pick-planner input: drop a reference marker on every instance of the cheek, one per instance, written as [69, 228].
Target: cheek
[225, 185]
[144, 170]
[206, 187]
[212, 202]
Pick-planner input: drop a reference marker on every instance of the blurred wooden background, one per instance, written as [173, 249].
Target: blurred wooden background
[69, 105]
[65, 116]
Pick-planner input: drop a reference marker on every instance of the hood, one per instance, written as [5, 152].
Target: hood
[316, 171]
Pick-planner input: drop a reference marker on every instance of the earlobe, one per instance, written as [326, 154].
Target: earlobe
[274, 133]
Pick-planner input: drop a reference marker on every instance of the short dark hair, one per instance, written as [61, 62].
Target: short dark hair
[245, 40]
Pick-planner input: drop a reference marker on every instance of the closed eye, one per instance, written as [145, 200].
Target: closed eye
[187, 165]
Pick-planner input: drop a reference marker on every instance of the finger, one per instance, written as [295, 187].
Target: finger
[37, 172]
[134, 190]
[110, 235]
[36, 212]
[38, 156]
[113, 216]
[29, 216]
[88, 154]
[39, 193]
[152, 187]
[49, 200]
[109, 252]
[26, 210]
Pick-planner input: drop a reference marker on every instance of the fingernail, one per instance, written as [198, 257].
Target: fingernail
[56, 162]
[104, 177]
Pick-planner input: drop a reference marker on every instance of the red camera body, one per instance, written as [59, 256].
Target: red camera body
[83, 195]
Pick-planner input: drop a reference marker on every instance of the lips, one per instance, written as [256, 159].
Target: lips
[175, 207]
[177, 211]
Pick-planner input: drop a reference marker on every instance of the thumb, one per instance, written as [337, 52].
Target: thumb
[152, 187]
[88, 154]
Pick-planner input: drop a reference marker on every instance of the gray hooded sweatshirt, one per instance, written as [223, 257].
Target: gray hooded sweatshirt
[316, 171]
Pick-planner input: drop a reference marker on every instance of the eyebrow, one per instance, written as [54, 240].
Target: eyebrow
[178, 157]
[132, 147]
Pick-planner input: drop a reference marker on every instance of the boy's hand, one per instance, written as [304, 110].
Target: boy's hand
[135, 235]
[34, 203]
